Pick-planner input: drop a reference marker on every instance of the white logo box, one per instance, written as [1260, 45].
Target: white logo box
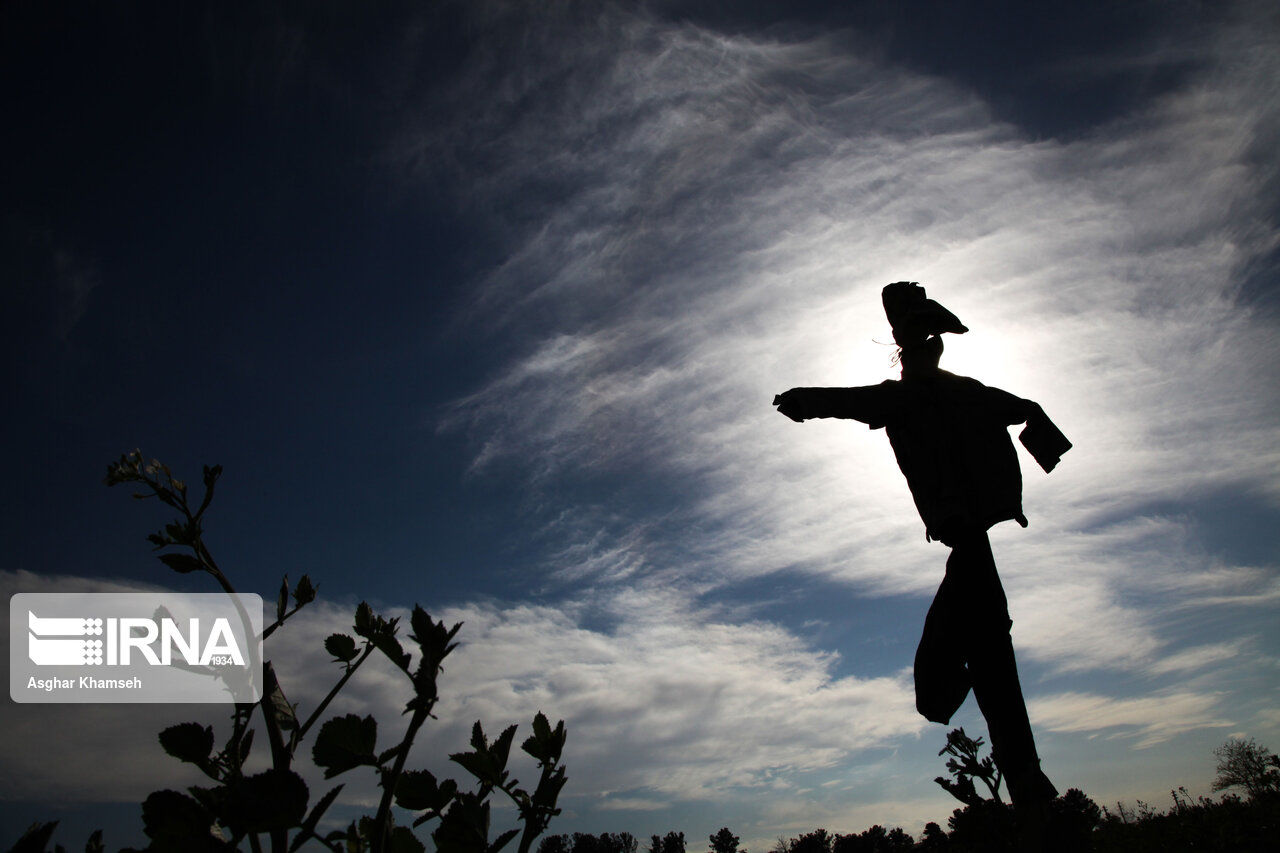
[135, 647]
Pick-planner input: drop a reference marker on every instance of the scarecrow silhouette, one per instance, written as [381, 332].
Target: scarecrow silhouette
[950, 436]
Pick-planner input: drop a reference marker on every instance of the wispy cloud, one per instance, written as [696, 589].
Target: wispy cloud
[1198, 657]
[1150, 719]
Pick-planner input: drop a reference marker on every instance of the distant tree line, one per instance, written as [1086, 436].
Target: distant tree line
[985, 823]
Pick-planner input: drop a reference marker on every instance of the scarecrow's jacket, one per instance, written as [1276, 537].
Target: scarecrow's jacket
[950, 436]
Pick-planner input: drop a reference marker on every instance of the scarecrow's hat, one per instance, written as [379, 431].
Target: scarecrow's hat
[914, 317]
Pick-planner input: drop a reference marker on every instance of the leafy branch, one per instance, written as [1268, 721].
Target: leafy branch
[965, 765]
[273, 804]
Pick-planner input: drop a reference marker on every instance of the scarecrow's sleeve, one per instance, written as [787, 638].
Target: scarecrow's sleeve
[874, 405]
[1041, 437]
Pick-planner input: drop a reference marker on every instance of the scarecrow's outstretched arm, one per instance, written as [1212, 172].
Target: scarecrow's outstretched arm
[870, 404]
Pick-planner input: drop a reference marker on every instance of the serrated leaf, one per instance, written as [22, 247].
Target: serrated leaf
[417, 790]
[273, 799]
[432, 638]
[541, 727]
[421, 623]
[364, 619]
[464, 827]
[390, 646]
[482, 766]
[182, 534]
[344, 743]
[190, 742]
[313, 819]
[402, 840]
[473, 762]
[172, 819]
[181, 563]
[446, 793]
[535, 747]
[502, 840]
[382, 633]
[545, 744]
[304, 592]
[500, 751]
[342, 647]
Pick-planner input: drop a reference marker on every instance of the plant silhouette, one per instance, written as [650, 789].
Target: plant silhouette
[672, 842]
[723, 841]
[1246, 764]
[273, 805]
[965, 764]
[950, 437]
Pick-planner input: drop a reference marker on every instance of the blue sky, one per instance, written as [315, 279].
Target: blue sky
[483, 308]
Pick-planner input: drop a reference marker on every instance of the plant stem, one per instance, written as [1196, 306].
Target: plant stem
[315, 715]
[389, 782]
